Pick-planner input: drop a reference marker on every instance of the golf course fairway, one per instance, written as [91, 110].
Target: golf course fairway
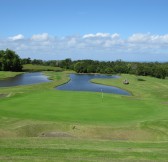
[39, 123]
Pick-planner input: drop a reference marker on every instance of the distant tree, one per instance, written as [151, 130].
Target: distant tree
[159, 73]
[80, 67]
[91, 69]
[109, 70]
[26, 60]
[37, 62]
[10, 61]
[66, 64]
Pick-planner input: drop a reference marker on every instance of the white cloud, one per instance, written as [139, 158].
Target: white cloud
[72, 42]
[115, 36]
[99, 44]
[40, 37]
[148, 38]
[16, 37]
[101, 35]
[97, 35]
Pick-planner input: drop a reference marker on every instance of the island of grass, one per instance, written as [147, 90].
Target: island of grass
[39, 123]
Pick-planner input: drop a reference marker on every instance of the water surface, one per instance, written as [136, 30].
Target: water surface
[24, 79]
[81, 82]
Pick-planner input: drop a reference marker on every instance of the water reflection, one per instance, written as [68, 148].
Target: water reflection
[24, 79]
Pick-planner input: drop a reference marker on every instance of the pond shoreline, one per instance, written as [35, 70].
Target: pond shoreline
[95, 75]
[112, 86]
[83, 82]
[24, 79]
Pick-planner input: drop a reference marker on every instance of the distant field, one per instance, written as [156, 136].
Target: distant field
[30, 67]
[38, 123]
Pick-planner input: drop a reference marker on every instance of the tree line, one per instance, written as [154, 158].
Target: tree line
[154, 69]
[10, 61]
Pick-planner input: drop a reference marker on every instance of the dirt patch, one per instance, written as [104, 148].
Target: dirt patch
[55, 134]
[6, 133]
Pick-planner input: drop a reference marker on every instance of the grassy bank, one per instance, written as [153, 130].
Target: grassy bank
[7, 74]
[43, 124]
[140, 86]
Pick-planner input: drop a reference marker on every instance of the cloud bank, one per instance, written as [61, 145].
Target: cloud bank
[98, 46]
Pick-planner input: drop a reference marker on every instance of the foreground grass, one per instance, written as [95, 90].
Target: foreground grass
[69, 149]
[38, 123]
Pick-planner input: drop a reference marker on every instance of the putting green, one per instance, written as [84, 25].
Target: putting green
[78, 107]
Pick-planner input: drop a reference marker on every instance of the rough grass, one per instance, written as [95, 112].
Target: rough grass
[38, 123]
[69, 149]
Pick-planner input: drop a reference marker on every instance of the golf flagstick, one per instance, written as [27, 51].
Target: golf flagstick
[102, 94]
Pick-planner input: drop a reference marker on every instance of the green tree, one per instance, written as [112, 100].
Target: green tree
[80, 67]
[109, 70]
[10, 61]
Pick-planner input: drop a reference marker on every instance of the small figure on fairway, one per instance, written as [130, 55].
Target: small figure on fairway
[125, 81]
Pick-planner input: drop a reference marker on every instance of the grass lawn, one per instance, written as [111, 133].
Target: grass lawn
[31, 67]
[38, 123]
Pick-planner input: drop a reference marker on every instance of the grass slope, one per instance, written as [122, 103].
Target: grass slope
[140, 86]
[38, 123]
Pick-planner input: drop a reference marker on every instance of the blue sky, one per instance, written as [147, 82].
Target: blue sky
[131, 30]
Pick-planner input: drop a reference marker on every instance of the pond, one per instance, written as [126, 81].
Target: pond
[24, 79]
[81, 82]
